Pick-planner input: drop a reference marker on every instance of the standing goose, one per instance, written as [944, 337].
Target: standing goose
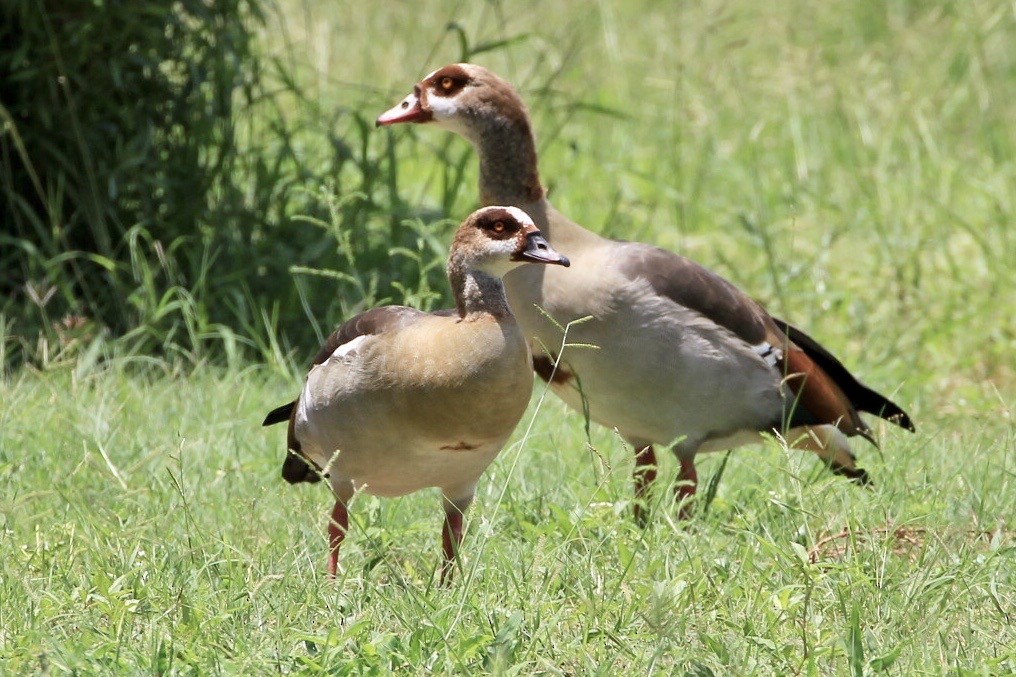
[683, 354]
[399, 400]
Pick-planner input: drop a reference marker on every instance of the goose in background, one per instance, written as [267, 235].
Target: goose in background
[685, 359]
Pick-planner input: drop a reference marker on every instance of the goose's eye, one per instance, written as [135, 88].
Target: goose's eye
[498, 227]
[447, 83]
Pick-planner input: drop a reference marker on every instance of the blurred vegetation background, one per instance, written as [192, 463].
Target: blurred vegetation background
[164, 178]
[204, 181]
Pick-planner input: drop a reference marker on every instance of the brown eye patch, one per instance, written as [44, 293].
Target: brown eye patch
[500, 227]
[449, 81]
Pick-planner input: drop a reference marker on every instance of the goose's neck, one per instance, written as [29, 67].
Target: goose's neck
[509, 176]
[477, 293]
[508, 172]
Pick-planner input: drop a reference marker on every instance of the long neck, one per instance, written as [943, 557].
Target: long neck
[509, 176]
[508, 173]
[477, 293]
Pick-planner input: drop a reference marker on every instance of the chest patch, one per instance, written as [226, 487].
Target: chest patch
[543, 365]
[458, 446]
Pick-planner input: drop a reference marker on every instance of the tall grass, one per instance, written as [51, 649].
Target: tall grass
[851, 166]
[144, 528]
[250, 204]
[118, 130]
[163, 179]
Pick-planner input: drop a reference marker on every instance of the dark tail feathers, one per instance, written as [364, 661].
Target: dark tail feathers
[860, 395]
[295, 468]
[279, 414]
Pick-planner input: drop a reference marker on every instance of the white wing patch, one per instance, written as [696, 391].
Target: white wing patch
[769, 353]
[349, 346]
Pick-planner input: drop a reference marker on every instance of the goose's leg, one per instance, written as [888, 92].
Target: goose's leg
[687, 478]
[337, 527]
[338, 524]
[684, 490]
[451, 534]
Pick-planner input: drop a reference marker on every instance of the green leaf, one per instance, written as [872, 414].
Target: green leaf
[883, 662]
[855, 642]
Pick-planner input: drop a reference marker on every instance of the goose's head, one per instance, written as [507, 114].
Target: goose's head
[463, 98]
[497, 239]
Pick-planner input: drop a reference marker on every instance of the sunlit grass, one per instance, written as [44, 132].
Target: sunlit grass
[145, 527]
[851, 167]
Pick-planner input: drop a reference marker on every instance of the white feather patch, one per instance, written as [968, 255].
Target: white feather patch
[520, 216]
[349, 346]
[442, 107]
[769, 353]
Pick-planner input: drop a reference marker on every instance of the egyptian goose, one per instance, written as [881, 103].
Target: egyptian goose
[400, 400]
[683, 354]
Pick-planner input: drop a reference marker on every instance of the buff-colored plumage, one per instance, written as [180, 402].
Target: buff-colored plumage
[400, 400]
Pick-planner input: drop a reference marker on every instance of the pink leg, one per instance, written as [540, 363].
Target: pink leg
[337, 527]
[451, 539]
[645, 475]
[687, 482]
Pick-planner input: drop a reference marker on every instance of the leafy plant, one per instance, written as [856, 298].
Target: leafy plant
[156, 185]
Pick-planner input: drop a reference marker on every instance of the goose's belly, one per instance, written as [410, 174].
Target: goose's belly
[387, 448]
[406, 465]
[369, 421]
[659, 372]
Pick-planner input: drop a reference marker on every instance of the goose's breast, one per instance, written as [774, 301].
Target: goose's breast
[644, 364]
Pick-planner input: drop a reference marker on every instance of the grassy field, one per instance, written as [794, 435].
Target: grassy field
[853, 167]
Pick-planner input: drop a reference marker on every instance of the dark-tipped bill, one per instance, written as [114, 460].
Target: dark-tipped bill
[538, 250]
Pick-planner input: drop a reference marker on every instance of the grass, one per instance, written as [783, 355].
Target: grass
[145, 529]
[852, 167]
